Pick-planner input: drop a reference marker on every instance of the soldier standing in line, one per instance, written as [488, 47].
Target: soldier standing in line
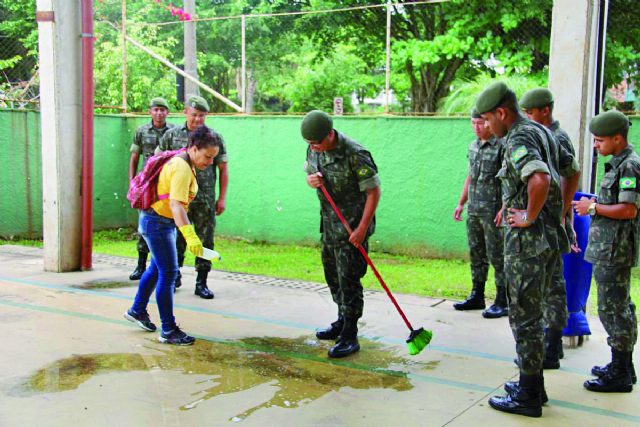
[534, 237]
[484, 232]
[145, 141]
[537, 104]
[614, 247]
[350, 175]
[205, 207]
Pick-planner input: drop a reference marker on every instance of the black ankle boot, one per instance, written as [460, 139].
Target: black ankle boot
[617, 378]
[348, 343]
[601, 371]
[475, 300]
[333, 331]
[201, 286]
[553, 344]
[525, 401]
[499, 308]
[512, 387]
[178, 282]
[142, 266]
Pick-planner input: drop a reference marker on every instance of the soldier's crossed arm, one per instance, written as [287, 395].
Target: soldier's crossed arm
[629, 184]
[524, 156]
[365, 169]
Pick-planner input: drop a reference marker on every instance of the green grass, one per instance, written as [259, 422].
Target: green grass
[438, 278]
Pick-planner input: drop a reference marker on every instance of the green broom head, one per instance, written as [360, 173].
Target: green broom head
[418, 340]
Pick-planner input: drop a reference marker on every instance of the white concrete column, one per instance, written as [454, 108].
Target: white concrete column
[59, 45]
[572, 74]
[190, 50]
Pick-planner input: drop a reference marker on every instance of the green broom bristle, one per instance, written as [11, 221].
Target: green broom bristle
[418, 340]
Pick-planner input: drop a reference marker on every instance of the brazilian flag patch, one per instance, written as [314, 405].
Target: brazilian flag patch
[519, 153]
[363, 172]
[628, 182]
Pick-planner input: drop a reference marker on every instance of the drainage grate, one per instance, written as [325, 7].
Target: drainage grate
[270, 281]
[114, 260]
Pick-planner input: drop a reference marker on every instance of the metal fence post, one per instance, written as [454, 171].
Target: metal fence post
[243, 81]
[124, 56]
[388, 67]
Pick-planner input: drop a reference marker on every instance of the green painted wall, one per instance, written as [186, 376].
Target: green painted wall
[422, 165]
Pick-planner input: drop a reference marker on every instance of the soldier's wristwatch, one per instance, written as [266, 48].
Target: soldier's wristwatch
[527, 220]
[592, 209]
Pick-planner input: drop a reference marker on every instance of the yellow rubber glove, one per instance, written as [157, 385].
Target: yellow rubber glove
[193, 242]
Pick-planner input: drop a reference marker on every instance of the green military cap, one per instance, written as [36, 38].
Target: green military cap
[316, 125]
[475, 114]
[197, 102]
[491, 97]
[539, 97]
[159, 102]
[609, 123]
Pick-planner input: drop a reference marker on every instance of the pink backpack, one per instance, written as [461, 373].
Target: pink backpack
[143, 190]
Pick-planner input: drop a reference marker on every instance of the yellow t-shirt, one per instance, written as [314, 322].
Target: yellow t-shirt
[178, 180]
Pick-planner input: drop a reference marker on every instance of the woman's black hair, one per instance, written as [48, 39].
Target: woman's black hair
[204, 137]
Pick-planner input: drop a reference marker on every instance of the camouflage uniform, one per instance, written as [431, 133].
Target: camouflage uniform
[202, 210]
[531, 253]
[486, 241]
[348, 172]
[614, 246]
[145, 141]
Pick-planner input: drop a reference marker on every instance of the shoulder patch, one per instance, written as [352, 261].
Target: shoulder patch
[519, 153]
[628, 182]
[364, 171]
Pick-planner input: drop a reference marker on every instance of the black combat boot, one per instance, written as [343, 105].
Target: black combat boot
[552, 344]
[499, 308]
[348, 343]
[617, 378]
[525, 401]
[475, 300]
[333, 331]
[142, 266]
[601, 371]
[512, 387]
[201, 286]
[178, 282]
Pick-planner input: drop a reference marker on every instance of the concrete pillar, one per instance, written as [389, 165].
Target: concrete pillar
[572, 74]
[59, 45]
[190, 50]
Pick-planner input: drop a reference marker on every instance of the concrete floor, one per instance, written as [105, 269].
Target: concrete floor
[69, 358]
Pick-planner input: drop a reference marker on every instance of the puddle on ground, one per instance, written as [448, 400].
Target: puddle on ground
[299, 368]
[105, 285]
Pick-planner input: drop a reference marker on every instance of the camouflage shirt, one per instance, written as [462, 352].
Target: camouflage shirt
[348, 172]
[562, 137]
[147, 139]
[178, 138]
[532, 148]
[485, 193]
[616, 242]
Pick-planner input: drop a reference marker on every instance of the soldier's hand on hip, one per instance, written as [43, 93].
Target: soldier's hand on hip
[582, 206]
[498, 219]
[515, 218]
[315, 180]
[457, 214]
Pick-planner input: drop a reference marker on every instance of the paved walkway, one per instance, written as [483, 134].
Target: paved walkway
[69, 358]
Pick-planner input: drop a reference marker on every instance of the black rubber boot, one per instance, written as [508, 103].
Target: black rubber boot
[552, 344]
[475, 300]
[525, 401]
[333, 331]
[141, 268]
[512, 387]
[201, 286]
[178, 282]
[500, 308]
[617, 378]
[348, 343]
[601, 371]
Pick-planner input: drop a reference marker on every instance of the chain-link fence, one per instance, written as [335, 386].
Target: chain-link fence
[287, 57]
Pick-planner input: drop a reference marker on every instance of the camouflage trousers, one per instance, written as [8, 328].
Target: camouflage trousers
[615, 307]
[344, 266]
[204, 222]
[142, 245]
[554, 307]
[527, 280]
[486, 245]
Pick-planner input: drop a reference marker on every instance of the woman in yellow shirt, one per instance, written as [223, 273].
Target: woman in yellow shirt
[177, 187]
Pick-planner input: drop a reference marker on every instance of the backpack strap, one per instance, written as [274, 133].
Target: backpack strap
[182, 153]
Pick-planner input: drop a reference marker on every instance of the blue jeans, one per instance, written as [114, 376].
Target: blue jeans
[160, 234]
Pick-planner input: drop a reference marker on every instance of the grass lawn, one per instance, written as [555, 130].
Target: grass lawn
[446, 278]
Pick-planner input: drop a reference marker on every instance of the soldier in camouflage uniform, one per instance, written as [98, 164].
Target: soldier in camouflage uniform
[534, 237]
[204, 208]
[350, 175]
[484, 232]
[614, 246]
[537, 105]
[145, 141]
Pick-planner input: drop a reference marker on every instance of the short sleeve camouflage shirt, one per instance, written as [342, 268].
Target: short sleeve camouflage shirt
[147, 138]
[485, 160]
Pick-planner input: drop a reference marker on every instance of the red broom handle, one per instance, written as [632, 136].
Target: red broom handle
[366, 257]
